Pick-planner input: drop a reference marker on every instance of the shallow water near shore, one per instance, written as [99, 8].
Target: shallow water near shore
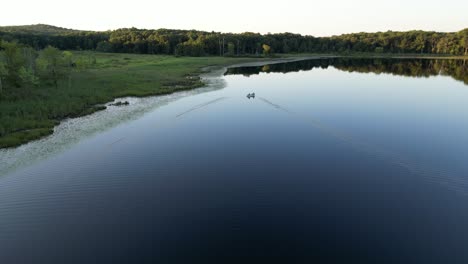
[333, 160]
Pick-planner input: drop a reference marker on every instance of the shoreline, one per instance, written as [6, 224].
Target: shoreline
[208, 72]
[32, 135]
[70, 131]
[219, 71]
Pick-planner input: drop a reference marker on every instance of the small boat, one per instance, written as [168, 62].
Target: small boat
[251, 95]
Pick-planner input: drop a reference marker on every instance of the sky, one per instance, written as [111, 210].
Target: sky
[318, 18]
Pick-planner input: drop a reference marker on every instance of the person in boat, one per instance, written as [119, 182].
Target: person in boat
[251, 95]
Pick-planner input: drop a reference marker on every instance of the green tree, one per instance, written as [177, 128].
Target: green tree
[465, 45]
[379, 50]
[52, 64]
[104, 46]
[286, 48]
[28, 76]
[419, 43]
[266, 49]
[67, 58]
[13, 61]
[68, 64]
[27, 72]
[3, 71]
[231, 49]
[464, 41]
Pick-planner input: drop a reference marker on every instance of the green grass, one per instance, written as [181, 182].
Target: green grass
[29, 113]
[18, 138]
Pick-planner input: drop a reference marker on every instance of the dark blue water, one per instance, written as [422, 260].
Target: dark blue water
[333, 161]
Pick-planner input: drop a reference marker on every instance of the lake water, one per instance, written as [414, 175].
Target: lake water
[333, 161]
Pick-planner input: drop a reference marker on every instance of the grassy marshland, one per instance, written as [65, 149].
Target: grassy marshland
[29, 113]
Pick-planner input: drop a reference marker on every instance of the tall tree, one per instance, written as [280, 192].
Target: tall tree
[27, 72]
[464, 42]
[68, 64]
[13, 60]
[231, 49]
[266, 49]
[51, 63]
[2, 71]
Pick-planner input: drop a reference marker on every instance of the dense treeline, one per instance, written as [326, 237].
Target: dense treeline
[68, 41]
[200, 43]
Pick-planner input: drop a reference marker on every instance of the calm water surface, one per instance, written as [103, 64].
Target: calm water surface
[333, 161]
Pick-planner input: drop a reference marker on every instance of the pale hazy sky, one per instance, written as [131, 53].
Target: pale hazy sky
[319, 18]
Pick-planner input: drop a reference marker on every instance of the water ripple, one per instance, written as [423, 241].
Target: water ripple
[71, 131]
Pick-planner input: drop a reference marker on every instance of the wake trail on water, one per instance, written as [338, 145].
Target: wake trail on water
[72, 131]
[197, 107]
[110, 146]
[444, 177]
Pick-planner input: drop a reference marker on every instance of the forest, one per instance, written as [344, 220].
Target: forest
[49, 73]
[201, 43]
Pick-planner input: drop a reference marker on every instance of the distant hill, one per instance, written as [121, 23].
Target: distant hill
[38, 29]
